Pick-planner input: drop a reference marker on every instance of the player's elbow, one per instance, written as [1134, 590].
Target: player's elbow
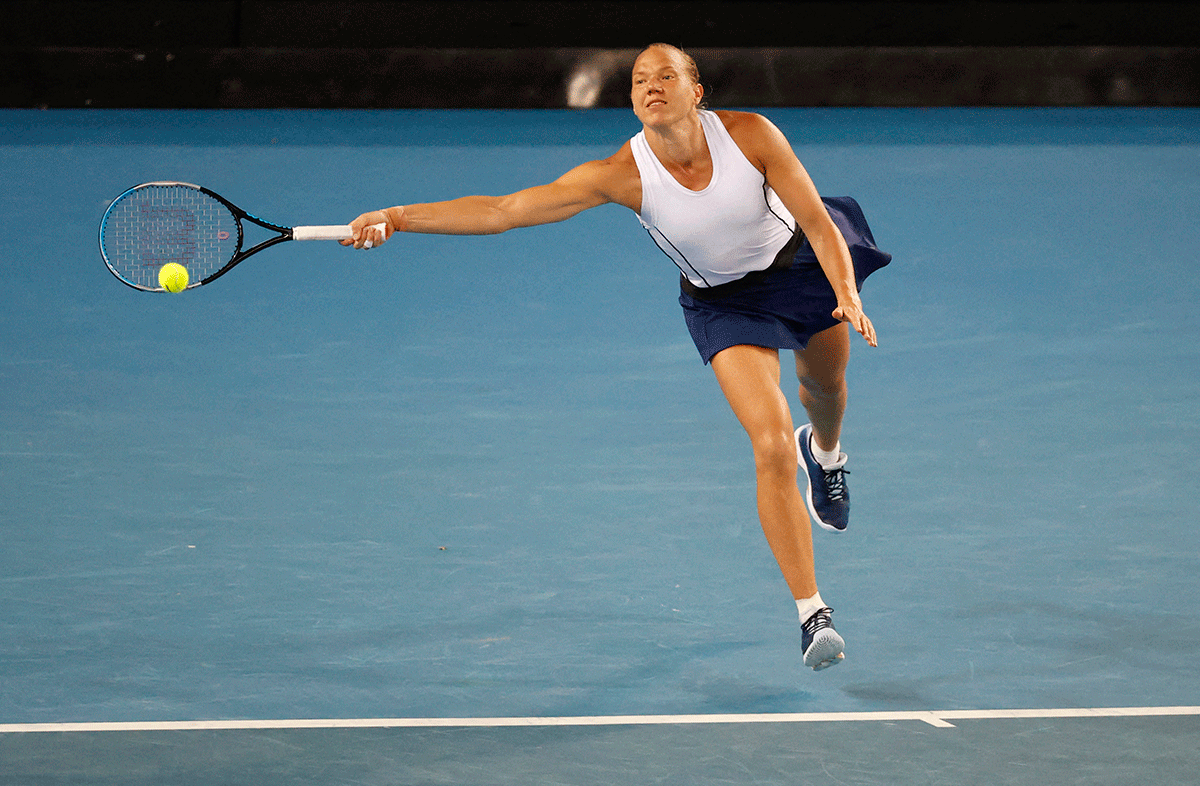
[488, 216]
[478, 215]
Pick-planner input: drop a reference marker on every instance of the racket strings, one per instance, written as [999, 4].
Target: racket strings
[154, 225]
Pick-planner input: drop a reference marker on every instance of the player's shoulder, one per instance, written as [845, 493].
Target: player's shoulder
[622, 178]
[748, 124]
[756, 136]
[616, 178]
[623, 157]
[604, 168]
[620, 165]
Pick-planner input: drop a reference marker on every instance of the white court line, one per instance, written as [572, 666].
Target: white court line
[939, 718]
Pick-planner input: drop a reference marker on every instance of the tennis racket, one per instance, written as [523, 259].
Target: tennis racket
[155, 223]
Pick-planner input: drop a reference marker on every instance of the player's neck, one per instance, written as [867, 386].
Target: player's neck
[680, 144]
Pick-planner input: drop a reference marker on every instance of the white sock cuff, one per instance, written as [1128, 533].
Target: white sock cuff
[826, 459]
[809, 606]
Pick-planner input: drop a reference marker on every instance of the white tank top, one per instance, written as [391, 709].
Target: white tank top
[732, 227]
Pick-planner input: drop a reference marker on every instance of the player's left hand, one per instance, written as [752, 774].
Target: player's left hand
[853, 313]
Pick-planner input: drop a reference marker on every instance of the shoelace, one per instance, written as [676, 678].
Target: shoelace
[835, 481]
[820, 620]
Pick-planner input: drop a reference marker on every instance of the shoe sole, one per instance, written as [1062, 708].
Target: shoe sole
[825, 651]
[808, 497]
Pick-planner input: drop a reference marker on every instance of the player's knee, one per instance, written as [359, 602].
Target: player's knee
[775, 452]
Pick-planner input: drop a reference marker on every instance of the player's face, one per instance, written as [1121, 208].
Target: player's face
[662, 91]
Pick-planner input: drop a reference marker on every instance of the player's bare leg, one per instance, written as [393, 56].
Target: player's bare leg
[750, 377]
[821, 370]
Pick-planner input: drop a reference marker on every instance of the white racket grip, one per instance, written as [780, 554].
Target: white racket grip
[342, 232]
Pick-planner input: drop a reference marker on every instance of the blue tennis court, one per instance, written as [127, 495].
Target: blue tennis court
[480, 495]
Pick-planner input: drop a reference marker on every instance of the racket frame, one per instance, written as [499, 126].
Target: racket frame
[284, 233]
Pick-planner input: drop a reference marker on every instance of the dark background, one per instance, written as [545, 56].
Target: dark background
[474, 53]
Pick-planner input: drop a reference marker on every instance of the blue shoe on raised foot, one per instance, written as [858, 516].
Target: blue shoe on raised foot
[827, 496]
[822, 645]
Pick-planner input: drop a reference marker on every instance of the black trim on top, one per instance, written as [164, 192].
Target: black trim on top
[683, 274]
[767, 202]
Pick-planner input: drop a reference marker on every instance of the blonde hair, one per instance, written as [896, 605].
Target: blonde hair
[689, 65]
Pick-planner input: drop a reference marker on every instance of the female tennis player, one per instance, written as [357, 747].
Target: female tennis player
[765, 265]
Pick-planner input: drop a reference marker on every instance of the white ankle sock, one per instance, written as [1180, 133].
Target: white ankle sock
[809, 606]
[825, 458]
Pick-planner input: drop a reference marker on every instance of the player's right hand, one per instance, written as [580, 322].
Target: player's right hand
[366, 233]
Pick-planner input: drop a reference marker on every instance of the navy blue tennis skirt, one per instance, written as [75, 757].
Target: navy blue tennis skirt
[788, 303]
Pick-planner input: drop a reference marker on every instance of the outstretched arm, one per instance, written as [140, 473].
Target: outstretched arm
[586, 186]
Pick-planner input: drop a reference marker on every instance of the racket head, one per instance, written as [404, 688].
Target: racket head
[155, 223]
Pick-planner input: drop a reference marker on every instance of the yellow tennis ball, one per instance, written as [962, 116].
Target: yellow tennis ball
[173, 277]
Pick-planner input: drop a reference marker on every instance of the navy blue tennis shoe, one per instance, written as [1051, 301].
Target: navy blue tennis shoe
[827, 496]
[822, 645]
